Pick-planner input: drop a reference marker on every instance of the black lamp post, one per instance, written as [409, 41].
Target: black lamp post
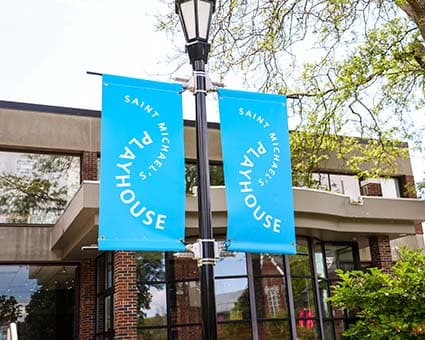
[195, 17]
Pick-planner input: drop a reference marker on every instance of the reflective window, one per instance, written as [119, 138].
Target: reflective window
[390, 187]
[271, 302]
[104, 296]
[341, 184]
[40, 299]
[234, 331]
[169, 299]
[35, 188]
[328, 258]
[216, 176]
[232, 298]
[274, 330]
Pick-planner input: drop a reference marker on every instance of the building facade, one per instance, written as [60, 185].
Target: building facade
[57, 285]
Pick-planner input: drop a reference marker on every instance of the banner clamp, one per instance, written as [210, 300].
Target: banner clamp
[196, 249]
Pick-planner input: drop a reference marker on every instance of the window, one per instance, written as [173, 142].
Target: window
[39, 299]
[216, 176]
[169, 301]
[328, 258]
[232, 298]
[104, 296]
[341, 184]
[35, 188]
[252, 294]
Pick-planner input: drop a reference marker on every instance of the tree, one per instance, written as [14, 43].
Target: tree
[387, 306]
[38, 192]
[40, 322]
[352, 67]
[9, 310]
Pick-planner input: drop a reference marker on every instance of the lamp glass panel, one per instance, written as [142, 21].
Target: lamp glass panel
[203, 18]
[188, 14]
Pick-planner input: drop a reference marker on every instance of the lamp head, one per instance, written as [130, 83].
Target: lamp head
[195, 18]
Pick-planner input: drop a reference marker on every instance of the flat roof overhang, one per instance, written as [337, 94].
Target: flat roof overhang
[326, 215]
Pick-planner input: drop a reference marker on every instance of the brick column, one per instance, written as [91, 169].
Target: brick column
[89, 166]
[370, 188]
[407, 186]
[87, 285]
[125, 296]
[380, 252]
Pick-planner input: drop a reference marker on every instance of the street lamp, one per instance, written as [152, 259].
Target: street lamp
[195, 17]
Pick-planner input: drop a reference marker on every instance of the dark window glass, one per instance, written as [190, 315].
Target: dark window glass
[307, 329]
[339, 327]
[323, 290]
[273, 330]
[185, 302]
[150, 266]
[232, 299]
[153, 305]
[319, 260]
[329, 330]
[300, 265]
[270, 297]
[40, 299]
[35, 188]
[152, 334]
[304, 298]
[216, 176]
[186, 333]
[234, 331]
[109, 270]
[267, 265]
[104, 295]
[231, 266]
[339, 256]
[181, 268]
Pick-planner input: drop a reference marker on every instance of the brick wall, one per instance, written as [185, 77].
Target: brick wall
[371, 189]
[380, 252]
[125, 296]
[89, 166]
[407, 186]
[87, 299]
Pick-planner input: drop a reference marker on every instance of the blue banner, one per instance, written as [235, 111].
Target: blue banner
[142, 188]
[257, 172]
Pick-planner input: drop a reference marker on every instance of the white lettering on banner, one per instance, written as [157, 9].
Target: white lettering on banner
[127, 158]
[153, 167]
[141, 103]
[274, 165]
[255, 116]
[250, 199]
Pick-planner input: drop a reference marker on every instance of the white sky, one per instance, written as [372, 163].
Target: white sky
[48, 45]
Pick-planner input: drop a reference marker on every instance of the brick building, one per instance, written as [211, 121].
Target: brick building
[64, 288]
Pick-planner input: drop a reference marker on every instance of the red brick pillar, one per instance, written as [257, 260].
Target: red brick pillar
[407, 186]
[89, 166]
[380, 252]
[370, 188]
[87, 304]
[125, 296]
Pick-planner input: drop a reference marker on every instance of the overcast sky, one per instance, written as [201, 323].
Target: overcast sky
[48, 45]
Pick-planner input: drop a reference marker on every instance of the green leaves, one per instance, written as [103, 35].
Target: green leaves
[387, 306]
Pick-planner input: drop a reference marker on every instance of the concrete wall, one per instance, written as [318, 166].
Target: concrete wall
[26, 129]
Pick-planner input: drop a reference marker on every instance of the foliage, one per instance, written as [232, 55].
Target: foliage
[191, 176]
[9, 310]
[387, 306]
[40, 322]
[150, 269]
[352, 67]
[40, 191]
